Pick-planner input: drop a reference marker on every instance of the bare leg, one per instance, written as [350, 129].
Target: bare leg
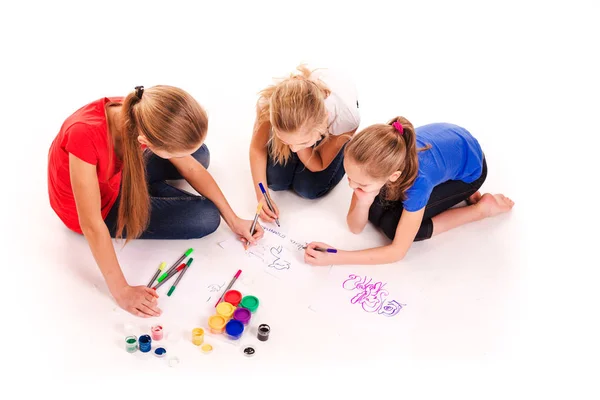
[487, 206]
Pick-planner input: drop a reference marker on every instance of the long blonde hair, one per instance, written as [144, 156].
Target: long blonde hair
[170, 119]
[294, 103]
[382, 150]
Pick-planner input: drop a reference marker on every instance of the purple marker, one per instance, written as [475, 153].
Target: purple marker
[321, 249]
[243, 315]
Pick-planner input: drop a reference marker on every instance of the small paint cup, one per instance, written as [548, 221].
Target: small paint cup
[225, 310]
[160, 352]
[157, 332]
[145, 343]
[233, 297]
[216, 323]
[198, 336]
[250, 303]
[131, 344]
[234, 329]
[263, 332]
[243, 315]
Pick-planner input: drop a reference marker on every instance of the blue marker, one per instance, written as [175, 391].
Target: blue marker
[264, 192]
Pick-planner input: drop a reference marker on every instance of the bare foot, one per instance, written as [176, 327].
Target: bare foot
[492, 205]
[474, 198]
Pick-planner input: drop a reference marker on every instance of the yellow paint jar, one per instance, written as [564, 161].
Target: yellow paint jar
[198, 336]
[225, 310]
[216, 323]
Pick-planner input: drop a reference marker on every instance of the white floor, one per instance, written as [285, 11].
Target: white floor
[484, 302]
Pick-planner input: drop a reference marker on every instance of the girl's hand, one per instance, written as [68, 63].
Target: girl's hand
[266, 214]
[365, 197]
[138, 300]
[314, 257]
[241, 227]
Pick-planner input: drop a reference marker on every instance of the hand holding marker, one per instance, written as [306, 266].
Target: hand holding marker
[322, 249]
[252, 228]
[268, 200]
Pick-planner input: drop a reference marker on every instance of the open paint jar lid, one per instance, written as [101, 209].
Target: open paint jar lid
[160, 352]
[206, 348]
[248, 350]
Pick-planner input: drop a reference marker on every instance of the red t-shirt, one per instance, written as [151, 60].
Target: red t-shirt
[85, 135]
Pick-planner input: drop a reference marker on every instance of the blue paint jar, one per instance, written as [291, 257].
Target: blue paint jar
[234, 329]
[145, 343]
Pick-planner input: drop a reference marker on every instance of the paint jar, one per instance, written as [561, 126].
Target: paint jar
[250, 303]
[233, 297]
[263, 332]
[160, 352]
[145, 343]
[243, 315]
[216, 323]
[131, 344]
[157, 332]
[198, 336]
[225, 310]
[234, 329]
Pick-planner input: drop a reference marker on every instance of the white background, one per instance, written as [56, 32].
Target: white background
[521, 75]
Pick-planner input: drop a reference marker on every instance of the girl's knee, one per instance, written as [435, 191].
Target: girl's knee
[309, 193]
[309, 190]
[207, 219]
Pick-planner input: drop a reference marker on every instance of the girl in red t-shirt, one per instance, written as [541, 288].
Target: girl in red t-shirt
[106, 179]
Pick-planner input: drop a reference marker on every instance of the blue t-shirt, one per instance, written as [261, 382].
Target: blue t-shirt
[454, 155]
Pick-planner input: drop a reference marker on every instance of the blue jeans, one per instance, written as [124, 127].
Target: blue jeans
[309, 185]
[174, 213]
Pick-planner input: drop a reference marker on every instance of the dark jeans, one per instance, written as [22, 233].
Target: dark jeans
[174, 213]
[307, 184]
[386, 215]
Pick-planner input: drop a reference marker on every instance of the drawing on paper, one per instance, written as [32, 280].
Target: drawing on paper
[214, 287]
[278, 263]
[371, 295]
[275, 251]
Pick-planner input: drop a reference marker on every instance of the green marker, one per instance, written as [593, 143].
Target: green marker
[167, 275]
[187, 253]
[179, 277]
[158, 271]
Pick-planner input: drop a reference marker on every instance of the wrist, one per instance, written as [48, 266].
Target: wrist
[230, 219]
[116, 286]
[341, 257]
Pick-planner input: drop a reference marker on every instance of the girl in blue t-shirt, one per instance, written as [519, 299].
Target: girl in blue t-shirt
[405, 181]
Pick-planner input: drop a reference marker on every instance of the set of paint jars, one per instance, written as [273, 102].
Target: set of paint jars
[233, 314]
[144, 342]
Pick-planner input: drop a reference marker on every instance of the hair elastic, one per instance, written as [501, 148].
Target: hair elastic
[398, 126]
[139, 92]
